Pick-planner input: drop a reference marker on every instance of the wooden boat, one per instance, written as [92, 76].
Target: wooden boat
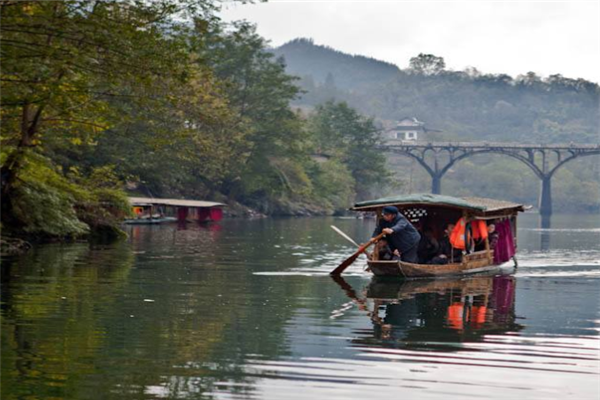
[149, 220]
[438, 211]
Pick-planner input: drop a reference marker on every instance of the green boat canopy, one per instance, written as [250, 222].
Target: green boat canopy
[477, 205]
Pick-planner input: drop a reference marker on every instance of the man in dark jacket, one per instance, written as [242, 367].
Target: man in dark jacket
[401, 234]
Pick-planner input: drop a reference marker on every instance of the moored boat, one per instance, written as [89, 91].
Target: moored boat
[150, 211]
[149, 220]
[438, 211]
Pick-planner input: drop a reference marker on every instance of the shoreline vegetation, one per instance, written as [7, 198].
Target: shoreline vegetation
[164, 99]
[104, 98]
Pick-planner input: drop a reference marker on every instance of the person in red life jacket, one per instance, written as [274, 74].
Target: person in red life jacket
[401, 234]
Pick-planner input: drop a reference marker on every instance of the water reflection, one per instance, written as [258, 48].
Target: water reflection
[246, 309]
[414, 314]
[75, 285]
[545, 225]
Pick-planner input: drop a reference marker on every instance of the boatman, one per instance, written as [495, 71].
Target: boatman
[401, 234]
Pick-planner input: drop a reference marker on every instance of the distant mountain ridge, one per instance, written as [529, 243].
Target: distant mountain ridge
[465, 105]
[304, 58]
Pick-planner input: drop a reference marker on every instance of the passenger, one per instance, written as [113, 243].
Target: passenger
[446, 252]
[428, 246]
[492, 236]
[401, 234]
[384, 251]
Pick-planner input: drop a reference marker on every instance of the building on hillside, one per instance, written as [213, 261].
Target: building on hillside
[407, 129]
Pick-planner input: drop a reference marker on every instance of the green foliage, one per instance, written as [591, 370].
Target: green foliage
[104, 92]
[45, 203]
[77, 74]
[333, 182]
[577, 191]
[269, 164]
[105, 204]
[63, 61]
[342, 133]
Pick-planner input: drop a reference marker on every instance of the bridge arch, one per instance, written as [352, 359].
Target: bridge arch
[539, 173]
[570, 158]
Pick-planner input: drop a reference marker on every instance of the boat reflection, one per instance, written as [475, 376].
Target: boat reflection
[422, 313]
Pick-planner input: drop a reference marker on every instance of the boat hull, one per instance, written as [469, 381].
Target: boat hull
[149, 221]
[472, 264]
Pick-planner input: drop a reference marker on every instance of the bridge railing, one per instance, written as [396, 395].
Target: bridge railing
[484, 144]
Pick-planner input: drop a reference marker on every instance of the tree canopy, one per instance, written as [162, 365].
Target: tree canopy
[160, 95]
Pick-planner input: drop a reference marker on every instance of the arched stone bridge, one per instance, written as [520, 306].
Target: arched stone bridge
[544, 160]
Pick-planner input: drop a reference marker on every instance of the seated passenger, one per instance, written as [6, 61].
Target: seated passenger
[492, 236]
[447, 254]
[384, 252]
[428, 246]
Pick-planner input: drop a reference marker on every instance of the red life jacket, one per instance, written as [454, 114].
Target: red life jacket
[457, 237]
[480, 230]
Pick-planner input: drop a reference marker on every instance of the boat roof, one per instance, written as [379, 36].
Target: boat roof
[147, 201]
[477, 205]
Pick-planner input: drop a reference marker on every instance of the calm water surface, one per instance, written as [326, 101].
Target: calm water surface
[245, 309]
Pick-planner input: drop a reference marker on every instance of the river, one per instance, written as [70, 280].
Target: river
[246, 309]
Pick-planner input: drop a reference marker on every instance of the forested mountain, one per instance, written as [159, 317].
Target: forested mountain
[318, 64]
[464, 105]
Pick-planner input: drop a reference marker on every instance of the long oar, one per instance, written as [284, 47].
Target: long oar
[354, 256]
[338, 230]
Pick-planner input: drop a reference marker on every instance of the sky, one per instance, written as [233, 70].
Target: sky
[513, 37]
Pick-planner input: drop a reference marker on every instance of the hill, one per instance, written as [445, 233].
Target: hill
[316, 63]
[465, 105]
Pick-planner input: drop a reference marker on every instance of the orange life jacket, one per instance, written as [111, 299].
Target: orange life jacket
[480, 230]
[457, 237]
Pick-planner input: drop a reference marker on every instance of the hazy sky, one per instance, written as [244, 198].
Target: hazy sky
[513, 37]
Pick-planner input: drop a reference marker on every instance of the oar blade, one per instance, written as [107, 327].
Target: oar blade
[342, 267]
[354, 256]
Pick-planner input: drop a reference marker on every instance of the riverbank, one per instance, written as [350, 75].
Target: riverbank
[19, 238]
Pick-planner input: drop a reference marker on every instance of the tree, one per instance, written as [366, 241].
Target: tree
[340, 132]
[259, 92]
[427, 64]
[65, 63]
